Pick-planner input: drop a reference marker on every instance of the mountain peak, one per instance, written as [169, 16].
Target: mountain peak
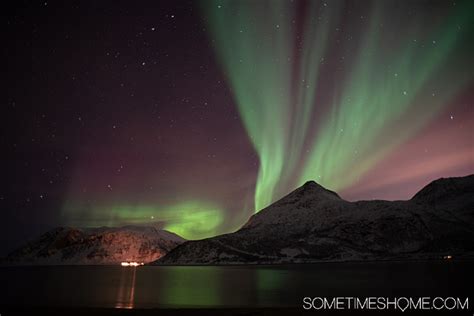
[313, 189]
[307, 196]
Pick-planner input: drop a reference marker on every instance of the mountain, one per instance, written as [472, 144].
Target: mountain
[104, 245]
[313, 224]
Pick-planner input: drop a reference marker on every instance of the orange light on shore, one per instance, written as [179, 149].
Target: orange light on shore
[131, 264]
[448, 257]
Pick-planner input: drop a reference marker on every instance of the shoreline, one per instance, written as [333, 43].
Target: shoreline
[461, 258]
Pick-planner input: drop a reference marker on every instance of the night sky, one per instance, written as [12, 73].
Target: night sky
[191, 115]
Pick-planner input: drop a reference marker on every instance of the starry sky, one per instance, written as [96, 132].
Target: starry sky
[193, 115]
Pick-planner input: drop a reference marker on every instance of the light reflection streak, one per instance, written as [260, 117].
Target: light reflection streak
[126, 292]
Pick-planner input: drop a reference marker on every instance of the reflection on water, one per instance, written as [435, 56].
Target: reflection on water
[126, 289]
[268, 283]
[238, 286]
[198, 286]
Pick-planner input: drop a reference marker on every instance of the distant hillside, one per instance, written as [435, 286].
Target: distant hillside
[104, 245]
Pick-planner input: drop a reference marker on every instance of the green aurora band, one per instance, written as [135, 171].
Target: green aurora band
[276, 89]
[189, 219]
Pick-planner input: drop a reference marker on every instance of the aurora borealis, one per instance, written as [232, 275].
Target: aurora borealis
[193, 115]
[276, 88]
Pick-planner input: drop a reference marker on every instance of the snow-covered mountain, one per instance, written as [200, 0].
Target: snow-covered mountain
[314, 224]
[103, 245]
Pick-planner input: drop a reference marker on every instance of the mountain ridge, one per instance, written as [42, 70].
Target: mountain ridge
[313, 224]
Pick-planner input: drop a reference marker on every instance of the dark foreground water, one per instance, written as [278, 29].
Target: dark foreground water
[225, 287]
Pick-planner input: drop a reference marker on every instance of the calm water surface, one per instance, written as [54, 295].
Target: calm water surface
[264, 286]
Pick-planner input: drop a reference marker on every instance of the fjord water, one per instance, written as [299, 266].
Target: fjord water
[231, 286]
